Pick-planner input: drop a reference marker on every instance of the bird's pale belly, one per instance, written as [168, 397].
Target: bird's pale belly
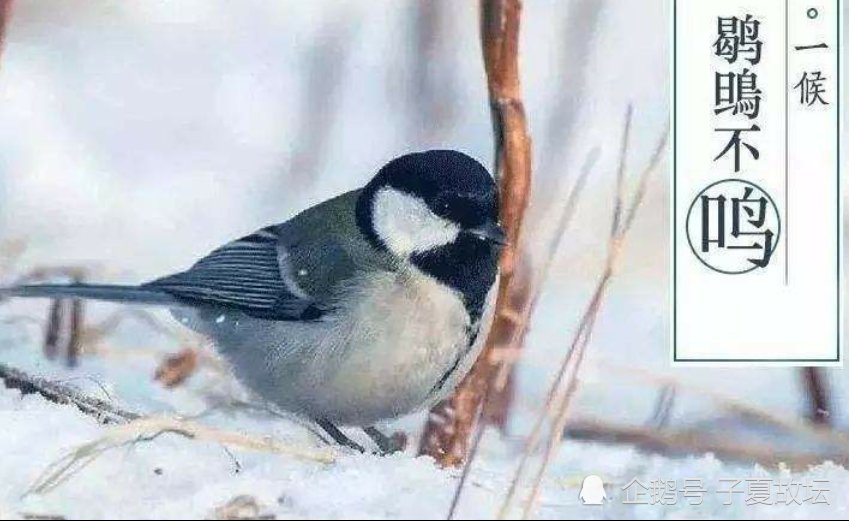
[401, 344]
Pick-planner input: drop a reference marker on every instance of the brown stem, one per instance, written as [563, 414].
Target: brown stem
[817, 393]
[578, 30]
[53, 328]
[451, 422]
[5, 15]
[688, 444]
[63, 330]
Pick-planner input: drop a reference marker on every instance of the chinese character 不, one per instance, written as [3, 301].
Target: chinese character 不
[738, 36]
[735, 142]
[737, 92]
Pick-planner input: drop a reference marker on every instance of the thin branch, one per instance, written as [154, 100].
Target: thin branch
[149, 429]
[542, 276]
[620, 173]
[614, 251]
[5, 16]
[642, 184]
[735, 405]
[816, 391]
[618, 234]
[578, 33]
[509, 355]
[679, 444]
[578, 347]
[63, 329]
[467, 465]
[130, 428]
[102, 411]
[560, 395]
[536, 431]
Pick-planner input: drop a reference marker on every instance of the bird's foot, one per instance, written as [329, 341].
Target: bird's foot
[339, 437]
[386, 444]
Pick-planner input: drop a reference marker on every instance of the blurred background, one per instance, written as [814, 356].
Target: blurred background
[137, 136]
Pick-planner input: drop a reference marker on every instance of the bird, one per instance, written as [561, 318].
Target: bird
[368, 306]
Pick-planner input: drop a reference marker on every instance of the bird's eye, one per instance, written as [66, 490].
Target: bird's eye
[442, 207]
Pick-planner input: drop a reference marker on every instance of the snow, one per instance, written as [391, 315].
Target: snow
[195, 478]
[176, 477]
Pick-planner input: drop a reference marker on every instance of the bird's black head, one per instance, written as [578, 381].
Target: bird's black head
[437, 210]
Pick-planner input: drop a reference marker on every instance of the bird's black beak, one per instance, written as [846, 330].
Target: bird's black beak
[489, 231]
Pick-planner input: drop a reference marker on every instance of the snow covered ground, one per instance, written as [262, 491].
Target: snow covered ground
[174, 477]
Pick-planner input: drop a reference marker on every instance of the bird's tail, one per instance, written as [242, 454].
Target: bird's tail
[105, 292]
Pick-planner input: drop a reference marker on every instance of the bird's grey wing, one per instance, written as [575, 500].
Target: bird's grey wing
[281, 272]
[244, 274]
[324, 247]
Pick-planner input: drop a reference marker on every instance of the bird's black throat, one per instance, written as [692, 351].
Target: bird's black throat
[467, 265]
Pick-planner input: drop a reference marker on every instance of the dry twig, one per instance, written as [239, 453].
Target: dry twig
[129, 427]
[150, 428]
[816, 390]
[509, 355]
[686, 443]
[566, 381]
[5, 15]
[63, 329]
[102, 411]
[64, 324]
[177, 368]
[736, 405]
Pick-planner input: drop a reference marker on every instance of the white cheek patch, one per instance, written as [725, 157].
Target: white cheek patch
[406, 225]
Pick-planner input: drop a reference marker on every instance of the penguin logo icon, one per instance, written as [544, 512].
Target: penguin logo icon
[592, 491]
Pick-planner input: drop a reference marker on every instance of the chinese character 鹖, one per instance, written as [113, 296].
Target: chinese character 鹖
[738, 36]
